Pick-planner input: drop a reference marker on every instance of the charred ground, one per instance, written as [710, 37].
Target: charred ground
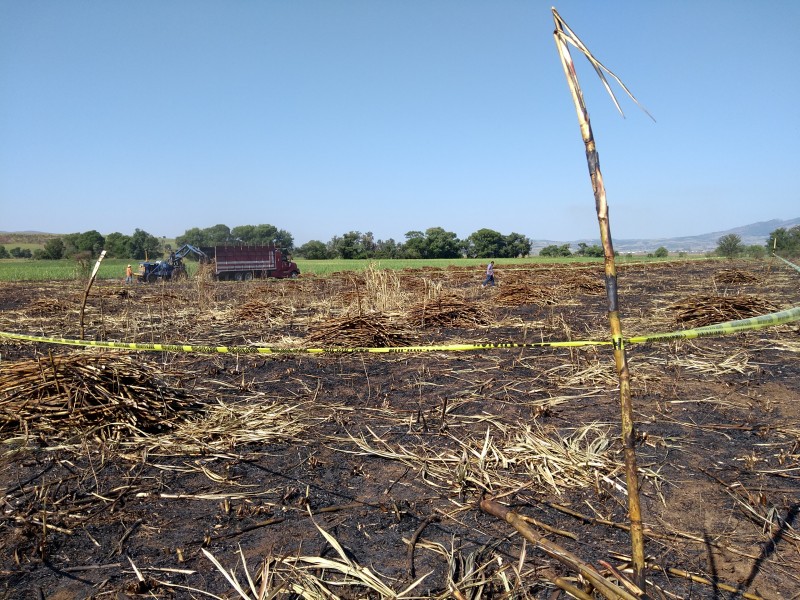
[129, 473]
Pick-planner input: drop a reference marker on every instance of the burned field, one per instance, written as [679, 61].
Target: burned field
[182, 475]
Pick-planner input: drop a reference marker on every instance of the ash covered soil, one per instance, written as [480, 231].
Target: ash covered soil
[173, 475]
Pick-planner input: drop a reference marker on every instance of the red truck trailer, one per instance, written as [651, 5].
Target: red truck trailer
[238, 263]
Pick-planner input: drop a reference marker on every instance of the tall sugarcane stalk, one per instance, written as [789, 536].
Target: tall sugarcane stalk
[89, 286]
[563, 36]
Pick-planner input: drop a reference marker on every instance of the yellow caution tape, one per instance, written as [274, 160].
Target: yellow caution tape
[769, 320]
[791, 264]
[777, 318]
[273, 350]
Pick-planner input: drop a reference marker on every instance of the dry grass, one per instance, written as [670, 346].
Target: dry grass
[526, 456]
[311, 577]
[226, 427]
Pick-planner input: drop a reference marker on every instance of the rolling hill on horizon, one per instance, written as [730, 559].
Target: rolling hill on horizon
[754, 233]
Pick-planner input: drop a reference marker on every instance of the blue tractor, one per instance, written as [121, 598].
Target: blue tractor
[170, 268]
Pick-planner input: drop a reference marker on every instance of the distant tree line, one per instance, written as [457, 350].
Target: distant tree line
[143, 245]
[16, 252]
[220, 235]
[782, 241]
[584, 249]
[434, 242]
[90, 243]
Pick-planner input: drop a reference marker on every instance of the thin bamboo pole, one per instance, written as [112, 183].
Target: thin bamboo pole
[561, 34]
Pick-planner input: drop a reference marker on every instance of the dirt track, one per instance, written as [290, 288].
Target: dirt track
[254, 457]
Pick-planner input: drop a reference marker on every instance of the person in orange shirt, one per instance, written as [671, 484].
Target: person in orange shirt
[128, 274]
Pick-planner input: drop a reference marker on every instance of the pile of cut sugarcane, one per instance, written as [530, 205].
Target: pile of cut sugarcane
[734, 277]
[56, 395]
[583, 283]
[369, 330]
[49, 306]
[447, 311]
[259, 309]
[521, 293]
[698, 310]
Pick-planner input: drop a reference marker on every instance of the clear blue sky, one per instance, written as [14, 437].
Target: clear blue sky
[322, 116]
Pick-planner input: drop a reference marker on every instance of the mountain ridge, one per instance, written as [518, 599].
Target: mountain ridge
[754, 233]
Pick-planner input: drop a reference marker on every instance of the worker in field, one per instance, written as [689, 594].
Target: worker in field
[128, 274]
[489, 274]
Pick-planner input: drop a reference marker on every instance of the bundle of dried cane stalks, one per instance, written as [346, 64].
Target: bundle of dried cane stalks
[105, 392]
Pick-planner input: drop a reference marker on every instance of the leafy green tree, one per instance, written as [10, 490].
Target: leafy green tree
[20, 253]
[367, 243]
[779, 240]
[794, 241]
[3, 252]
[585, 249]
[245, 234]
[441, 243]
[388, 249]
[415, 245]
[435, 242]
[517, 245]
[91, 241]
[661, 252]
[485, 243]
[144, 245]
[263, 234]
[755, 251]
[554, 251]
[284, 239]
[729, 245]
[118, 245]
[194, 236]
[70, 243]
[313, 250]
[348, 246]
[53, 249]
[784, 242]
[219, 234]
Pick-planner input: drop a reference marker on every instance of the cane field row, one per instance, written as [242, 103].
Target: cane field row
[25, 269]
